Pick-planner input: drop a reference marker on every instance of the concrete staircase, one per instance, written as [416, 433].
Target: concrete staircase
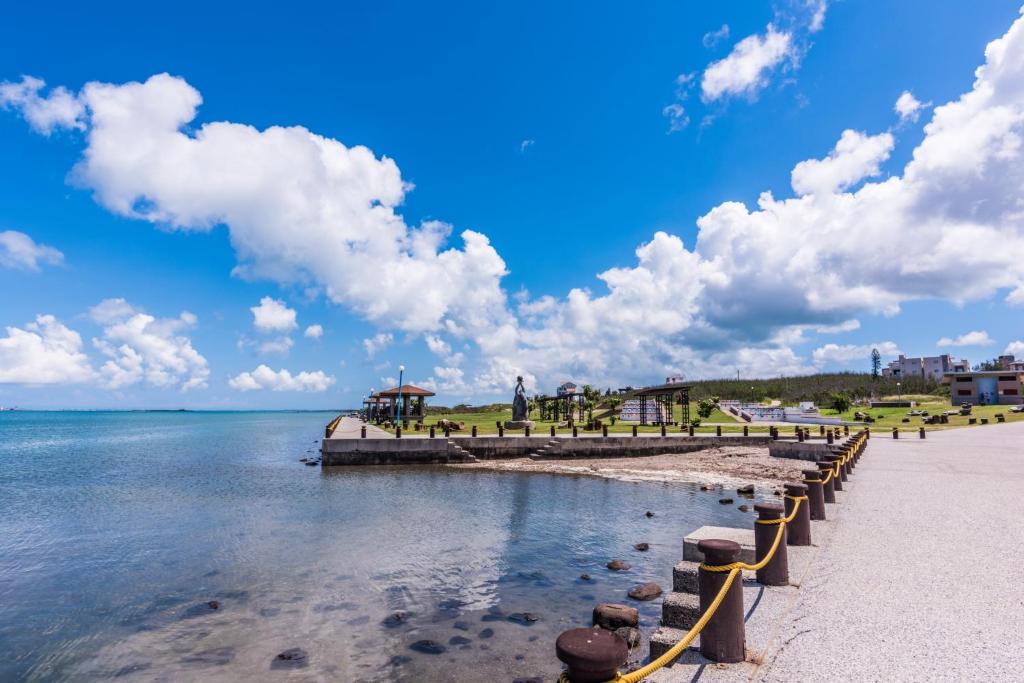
[680, 609]
[552, 449]
[457, 453]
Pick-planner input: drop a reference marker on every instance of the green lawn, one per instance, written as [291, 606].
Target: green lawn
[887, 418]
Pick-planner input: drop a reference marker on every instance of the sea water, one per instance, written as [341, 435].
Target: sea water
[120, 531]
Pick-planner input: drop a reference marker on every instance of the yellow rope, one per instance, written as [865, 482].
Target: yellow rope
[750, 567]
[828, 477]
[812, 481]
[785, 520]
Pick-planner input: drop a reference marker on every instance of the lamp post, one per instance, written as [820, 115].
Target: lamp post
[899, 394]
[401, 371]
[371, 413]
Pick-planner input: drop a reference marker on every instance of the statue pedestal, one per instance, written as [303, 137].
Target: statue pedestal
[519, 424]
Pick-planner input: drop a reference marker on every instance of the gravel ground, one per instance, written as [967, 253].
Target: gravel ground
[920, 580]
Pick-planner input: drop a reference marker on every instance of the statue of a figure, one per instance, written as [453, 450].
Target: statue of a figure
[520, 409]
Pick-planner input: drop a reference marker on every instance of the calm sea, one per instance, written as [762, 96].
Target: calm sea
[117, 530]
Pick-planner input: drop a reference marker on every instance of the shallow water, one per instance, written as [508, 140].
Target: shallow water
[116, 529]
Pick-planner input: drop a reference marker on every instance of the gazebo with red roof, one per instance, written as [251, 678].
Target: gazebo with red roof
[405, 394]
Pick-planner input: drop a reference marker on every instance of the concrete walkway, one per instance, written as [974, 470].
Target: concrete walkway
[921, 578]
[350, 428]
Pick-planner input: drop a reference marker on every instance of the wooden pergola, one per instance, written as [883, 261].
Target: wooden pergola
[374, 408]
[555, 408]
[404, 395]
[663, 398]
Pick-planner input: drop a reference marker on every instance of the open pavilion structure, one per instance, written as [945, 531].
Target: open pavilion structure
[407, 401]
[661, 399]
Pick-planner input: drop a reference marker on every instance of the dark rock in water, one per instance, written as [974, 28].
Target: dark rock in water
[486, 633]
[630, 635]
[725, 501]
[776, 493]
[270, 611]
[459, 640]
[524, 618]
[493, 617]
[618, 566]
[395, 620]
[399, 660]
[213, 604]
[451, 605]
[585, 577]
[705, 487]
[292, 658]
[642, 547]
[312, 463]
[649, 513]
[744, 508]
[428, 647]
[520, 658]
[747, 488]
[462, 625]
[647, 591]
[217, 656]
[611, 616]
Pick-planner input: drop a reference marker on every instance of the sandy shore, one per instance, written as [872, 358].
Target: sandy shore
[721, 466]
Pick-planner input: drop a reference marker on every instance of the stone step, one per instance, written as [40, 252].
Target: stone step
[680, 610]
[745, 537]
[684, 577]
[665, 638]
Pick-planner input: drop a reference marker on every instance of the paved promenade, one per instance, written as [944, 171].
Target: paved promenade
[350, 428]
[921, 579]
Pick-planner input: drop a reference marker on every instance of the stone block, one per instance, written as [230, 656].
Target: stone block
[745, 537]
[680, 610]
[684, 577]
[611, 616]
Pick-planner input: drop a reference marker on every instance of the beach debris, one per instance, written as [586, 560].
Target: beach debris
[642, 547]
[725, 501]
[618, 565]
[486, 633]
[611, 616]
[585, 577]
[649, 513]
[524, 618]
[213, 604]
[292, 658]
[706, 487]
[746, 488]
[630, 635]
[647, 591]
[428, 647]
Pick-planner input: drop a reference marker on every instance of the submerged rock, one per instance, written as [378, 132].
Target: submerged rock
[649, 513]
[292, 658]
[395, 620]
[585, 577]
[630, 635]
[525, 618]
[725, 501]
[618, 565]
[428, 647]
[746, 488]
[459, 640]
[486, 633]
[647, 591]
[462, 625]
[611, 616]
[744, 508]
[642, 547]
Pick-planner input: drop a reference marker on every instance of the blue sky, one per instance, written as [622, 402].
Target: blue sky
[556, 135]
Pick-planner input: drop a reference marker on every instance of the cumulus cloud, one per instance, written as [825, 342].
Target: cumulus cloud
[974, 338]
[1015, 348]
[44, 352]
[264, 377]
[143, 348]
[712, 38]
[856, 156]
[844, 353]
[273, 315]
[817, 20]
[908, 106]
[377, 342]
[746, 69]
[314, 331]
[275, 345]
[58, 109]
[18, 250]
[677, 118]
[525, 145]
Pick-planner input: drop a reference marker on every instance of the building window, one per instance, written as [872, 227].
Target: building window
[963, 392]
[1009, 392]
[1007, 378]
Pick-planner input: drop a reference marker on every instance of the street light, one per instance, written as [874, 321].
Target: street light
[899, 394]
[401, 370]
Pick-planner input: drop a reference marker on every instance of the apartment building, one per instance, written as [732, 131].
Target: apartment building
[931, 367]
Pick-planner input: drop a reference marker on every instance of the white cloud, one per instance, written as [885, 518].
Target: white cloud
[437, 345]
[817, 21]
[845, 326]
[975, 338]
[273, 315]
[377, 342]
[677, 118]
[44, 352]
[264, 377]
[746, 69]
[314, 331]
[59, 109]
[712, 38]
[908, 106]
[856, 156]
[276, 345]
[525, 145]
[844, 353]
[1015, 348]
[141, 348]
[18, 250]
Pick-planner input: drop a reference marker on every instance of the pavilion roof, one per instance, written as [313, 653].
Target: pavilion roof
[663, 389]
[404, 390]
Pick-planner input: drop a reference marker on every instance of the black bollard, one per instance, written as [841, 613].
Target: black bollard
[501, 431]
[798, 532]
[574, 432]
[815, 494]
[362, 432]
[431, 431]
[722, 640]
[718, 430]
[663, 429]
[828, 488]
[829, 438]
[604, 430]
[837, 479]
[634, 430]
[474, 431]
[690, 430]
[592, 654]
[398, 431]
[526, 431]
[800, 435]
[895, 432]
[846, 430]
[920, 432]
[776, 572]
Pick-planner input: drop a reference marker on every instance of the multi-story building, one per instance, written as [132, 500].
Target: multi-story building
[930, 367]
[992, 387]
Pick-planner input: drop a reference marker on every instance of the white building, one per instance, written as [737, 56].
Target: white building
[930, 367]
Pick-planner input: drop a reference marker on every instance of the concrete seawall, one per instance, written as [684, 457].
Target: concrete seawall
[419, 450]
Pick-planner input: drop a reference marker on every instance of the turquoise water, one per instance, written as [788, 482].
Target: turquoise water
[117, 529]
